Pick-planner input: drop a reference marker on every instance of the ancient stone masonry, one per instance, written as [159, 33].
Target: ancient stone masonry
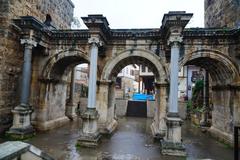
[222, 13]
[61, 11]
[11, 52]
[56, 51]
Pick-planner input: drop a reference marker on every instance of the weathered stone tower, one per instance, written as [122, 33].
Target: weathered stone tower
[222, 13]
[59, 14]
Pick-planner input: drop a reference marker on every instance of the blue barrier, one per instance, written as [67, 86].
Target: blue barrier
[142, 97]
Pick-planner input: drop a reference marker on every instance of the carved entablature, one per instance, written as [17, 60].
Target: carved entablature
[135, 33]
[71, 34]
[172, 30]
[211, 36]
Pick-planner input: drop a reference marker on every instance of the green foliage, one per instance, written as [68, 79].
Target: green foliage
[195, 104]
[189, 105]
[198, 87]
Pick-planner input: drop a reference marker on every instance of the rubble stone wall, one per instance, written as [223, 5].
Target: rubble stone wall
[222, 13]
[11, 52]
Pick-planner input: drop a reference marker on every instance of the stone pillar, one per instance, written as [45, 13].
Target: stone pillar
[22, 127]
[158, 126]
[105, 106]
[204, 120]
[89, 135]
[172, 143]
[163, 109]
[71, 105]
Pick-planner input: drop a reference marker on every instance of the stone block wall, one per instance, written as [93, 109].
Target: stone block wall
[11, 56]
[11, 52]
[222, 115]
[222, 13]
[61, 11]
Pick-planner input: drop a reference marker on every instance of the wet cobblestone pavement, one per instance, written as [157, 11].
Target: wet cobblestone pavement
[131, 141]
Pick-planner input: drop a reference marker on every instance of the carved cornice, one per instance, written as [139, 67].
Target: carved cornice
[210, 32]
[71, 34]
[135, 33]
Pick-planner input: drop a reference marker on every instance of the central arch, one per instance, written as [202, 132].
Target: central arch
[143, 57]
[136, 56]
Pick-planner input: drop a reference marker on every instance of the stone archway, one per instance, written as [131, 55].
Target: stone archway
[135, 56]
[224, 75]
[51, 110]
[221, 68]
[107, 87]
[59, 64]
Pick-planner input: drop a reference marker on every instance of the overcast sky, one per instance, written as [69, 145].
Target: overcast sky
[138, 13]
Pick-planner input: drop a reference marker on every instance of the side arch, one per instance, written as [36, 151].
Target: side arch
[136, 56]
[61, 63]
[220, 66]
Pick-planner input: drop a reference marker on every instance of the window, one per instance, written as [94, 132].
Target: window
[132, 72]
[143, 68]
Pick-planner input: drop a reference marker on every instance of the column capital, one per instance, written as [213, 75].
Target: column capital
[159, 84]
[175, 39]
[95, 40]
[28, 43]
[104, 82]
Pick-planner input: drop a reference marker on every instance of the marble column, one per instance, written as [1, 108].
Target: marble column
[89, 135]
[172, 143]
[71, 105]
[22, 127]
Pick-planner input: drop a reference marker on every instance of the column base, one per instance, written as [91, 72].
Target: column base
[89, 136]
[89, 140]
[51, 124]
[172, 143]
[109, 129]
[21, 128]
[20, 133]
[156, 133]
[71, 111]
[221, 136]
[172, 148]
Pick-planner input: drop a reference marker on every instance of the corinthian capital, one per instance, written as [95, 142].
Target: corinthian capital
[95, 40]
[29, 43]
[175, 39]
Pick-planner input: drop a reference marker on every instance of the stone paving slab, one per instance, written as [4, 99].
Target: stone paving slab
[12, 149]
